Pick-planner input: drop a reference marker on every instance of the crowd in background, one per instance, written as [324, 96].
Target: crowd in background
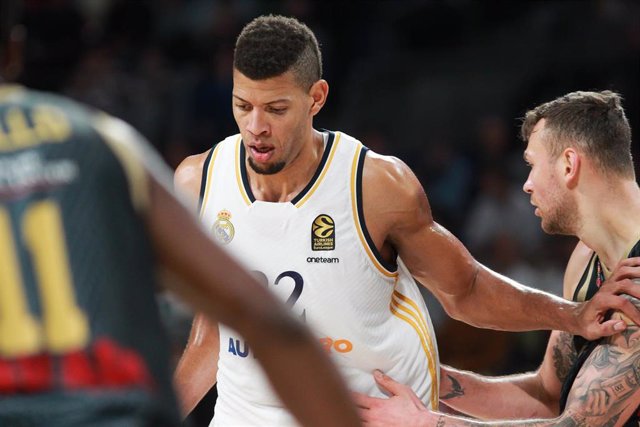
[439, 84]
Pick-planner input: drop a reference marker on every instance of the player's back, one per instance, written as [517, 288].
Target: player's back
[80, 338]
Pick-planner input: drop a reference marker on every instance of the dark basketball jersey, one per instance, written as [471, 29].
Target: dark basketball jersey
[80, 334]
[589, 284]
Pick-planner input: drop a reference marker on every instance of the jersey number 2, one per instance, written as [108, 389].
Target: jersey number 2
[64, 327]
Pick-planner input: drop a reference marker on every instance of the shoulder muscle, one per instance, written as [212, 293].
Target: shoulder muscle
[188, 175]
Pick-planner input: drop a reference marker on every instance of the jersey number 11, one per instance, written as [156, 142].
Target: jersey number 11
[64, 327]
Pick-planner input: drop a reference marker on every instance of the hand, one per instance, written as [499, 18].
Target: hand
[403, 408]
[591, 314]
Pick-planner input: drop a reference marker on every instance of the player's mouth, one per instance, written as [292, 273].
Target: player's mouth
[261, 153]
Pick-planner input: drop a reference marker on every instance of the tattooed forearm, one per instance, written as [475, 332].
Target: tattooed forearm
[564, 355]
[456, 389]
[612, 422]
[607, 383]
[568, 420]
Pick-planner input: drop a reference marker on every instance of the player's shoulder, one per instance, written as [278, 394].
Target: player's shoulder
[390, 174]
[188, 174]
[576, 265]
[189, 171]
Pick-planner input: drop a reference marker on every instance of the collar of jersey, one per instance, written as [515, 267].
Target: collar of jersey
[323, 162]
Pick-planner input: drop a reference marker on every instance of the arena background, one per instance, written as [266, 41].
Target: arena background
[440, 84]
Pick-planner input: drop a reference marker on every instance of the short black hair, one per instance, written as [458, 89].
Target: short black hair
[271, 45]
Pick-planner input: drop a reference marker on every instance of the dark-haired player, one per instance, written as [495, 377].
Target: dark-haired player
[85, 221]
[339, 233]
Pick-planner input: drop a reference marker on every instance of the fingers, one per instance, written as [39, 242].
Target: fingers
[625, 306]
[364, 401]
[628, 268]
[610, 327]
[624, 286]
[388, 384]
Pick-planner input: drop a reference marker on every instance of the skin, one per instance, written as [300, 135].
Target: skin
[225, 292]
[275, 116]
[606, 390]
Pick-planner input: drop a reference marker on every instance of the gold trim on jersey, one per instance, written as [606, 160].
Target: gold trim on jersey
[405, 309]
[584, 285]
[356, 217]
[243, 191]
[207, 184]
[323, 173]
[122, 140]
[8, 89]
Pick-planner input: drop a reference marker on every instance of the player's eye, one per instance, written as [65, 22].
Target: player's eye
[277, 110]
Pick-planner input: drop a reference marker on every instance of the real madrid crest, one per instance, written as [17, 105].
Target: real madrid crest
[223, 228]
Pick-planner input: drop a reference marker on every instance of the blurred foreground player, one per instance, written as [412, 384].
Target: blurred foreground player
[84, 216]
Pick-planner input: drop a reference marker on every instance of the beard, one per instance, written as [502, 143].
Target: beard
[270, 169]
[562, 217]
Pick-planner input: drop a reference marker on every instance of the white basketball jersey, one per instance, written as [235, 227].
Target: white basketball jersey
[316, 254]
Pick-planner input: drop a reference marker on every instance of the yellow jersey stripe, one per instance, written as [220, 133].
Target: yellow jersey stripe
[354, 207]
[207, 184]
[582, 293]
[121, 141]
[323, 173]
[410, 317]
[243, 192]
[419, 317]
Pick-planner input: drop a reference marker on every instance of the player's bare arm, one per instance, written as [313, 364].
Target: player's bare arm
[606, 391]
[518, 397]
[198, 366]
[399, 219]
[528, 395]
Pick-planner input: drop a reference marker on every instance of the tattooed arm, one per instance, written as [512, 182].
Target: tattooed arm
[606, 391]
[533, 394]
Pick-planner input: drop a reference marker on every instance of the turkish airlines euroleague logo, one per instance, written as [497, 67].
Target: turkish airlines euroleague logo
[323, 233]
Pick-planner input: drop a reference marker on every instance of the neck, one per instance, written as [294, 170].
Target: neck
[291, 180]
[611, 220]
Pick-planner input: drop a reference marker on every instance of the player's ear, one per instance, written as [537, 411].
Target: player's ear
[571, 163]
[318, 92]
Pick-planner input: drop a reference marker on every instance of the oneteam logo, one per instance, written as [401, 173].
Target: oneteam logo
[322, 260]
[323, 233]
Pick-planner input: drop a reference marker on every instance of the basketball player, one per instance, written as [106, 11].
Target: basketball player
[339, 232]
[84, 221]
[582, 183]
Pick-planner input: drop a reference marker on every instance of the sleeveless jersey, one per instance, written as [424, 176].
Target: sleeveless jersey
[589, 284]
[80, 335]
[316, 254]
